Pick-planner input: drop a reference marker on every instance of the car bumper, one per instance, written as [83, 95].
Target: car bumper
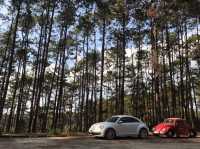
[158, 133]
[96, 133]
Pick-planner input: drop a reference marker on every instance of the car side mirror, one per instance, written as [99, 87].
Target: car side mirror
[120, 122]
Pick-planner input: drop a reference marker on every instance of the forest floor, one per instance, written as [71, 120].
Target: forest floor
[87, 142]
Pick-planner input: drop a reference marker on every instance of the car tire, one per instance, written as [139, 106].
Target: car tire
[110, 134]
[170, 134]
[143, 134]
[193, 134]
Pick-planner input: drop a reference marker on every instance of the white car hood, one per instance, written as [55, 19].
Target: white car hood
[104, 124]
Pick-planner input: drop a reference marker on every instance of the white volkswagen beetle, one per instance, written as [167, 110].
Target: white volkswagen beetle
[120, 126]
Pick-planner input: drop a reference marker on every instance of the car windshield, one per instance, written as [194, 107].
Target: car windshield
[170, 121]
[112, 119]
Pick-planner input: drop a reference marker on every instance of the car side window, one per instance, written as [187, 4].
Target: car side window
[128, 120]
[180, 123]
[185, 124]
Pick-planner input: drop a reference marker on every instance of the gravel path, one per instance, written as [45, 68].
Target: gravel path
[96, 143]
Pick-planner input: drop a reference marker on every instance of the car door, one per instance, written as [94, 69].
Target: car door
[127, 126]
[181, 127]
[133, 125]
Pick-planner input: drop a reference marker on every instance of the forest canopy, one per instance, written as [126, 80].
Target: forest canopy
[65, 64]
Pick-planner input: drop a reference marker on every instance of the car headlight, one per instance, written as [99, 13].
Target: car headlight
[101, 126]
[163, 130]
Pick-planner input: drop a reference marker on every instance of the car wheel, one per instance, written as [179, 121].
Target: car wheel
[170, 134]
[143, 134]
[110, 134]
[193, 133]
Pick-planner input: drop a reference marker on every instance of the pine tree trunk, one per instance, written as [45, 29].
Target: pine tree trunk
[102, 70]
[11, 58]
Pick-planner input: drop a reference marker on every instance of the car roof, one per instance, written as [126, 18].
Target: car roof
[123, 116]
[175, 118]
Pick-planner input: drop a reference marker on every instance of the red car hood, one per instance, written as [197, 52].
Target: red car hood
[160, 126]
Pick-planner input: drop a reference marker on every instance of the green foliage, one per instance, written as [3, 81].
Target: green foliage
[57, 57]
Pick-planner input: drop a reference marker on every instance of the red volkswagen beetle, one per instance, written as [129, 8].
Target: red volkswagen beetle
[174, 127]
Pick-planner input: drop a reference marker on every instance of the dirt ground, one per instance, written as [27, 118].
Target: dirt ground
[88, 142]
